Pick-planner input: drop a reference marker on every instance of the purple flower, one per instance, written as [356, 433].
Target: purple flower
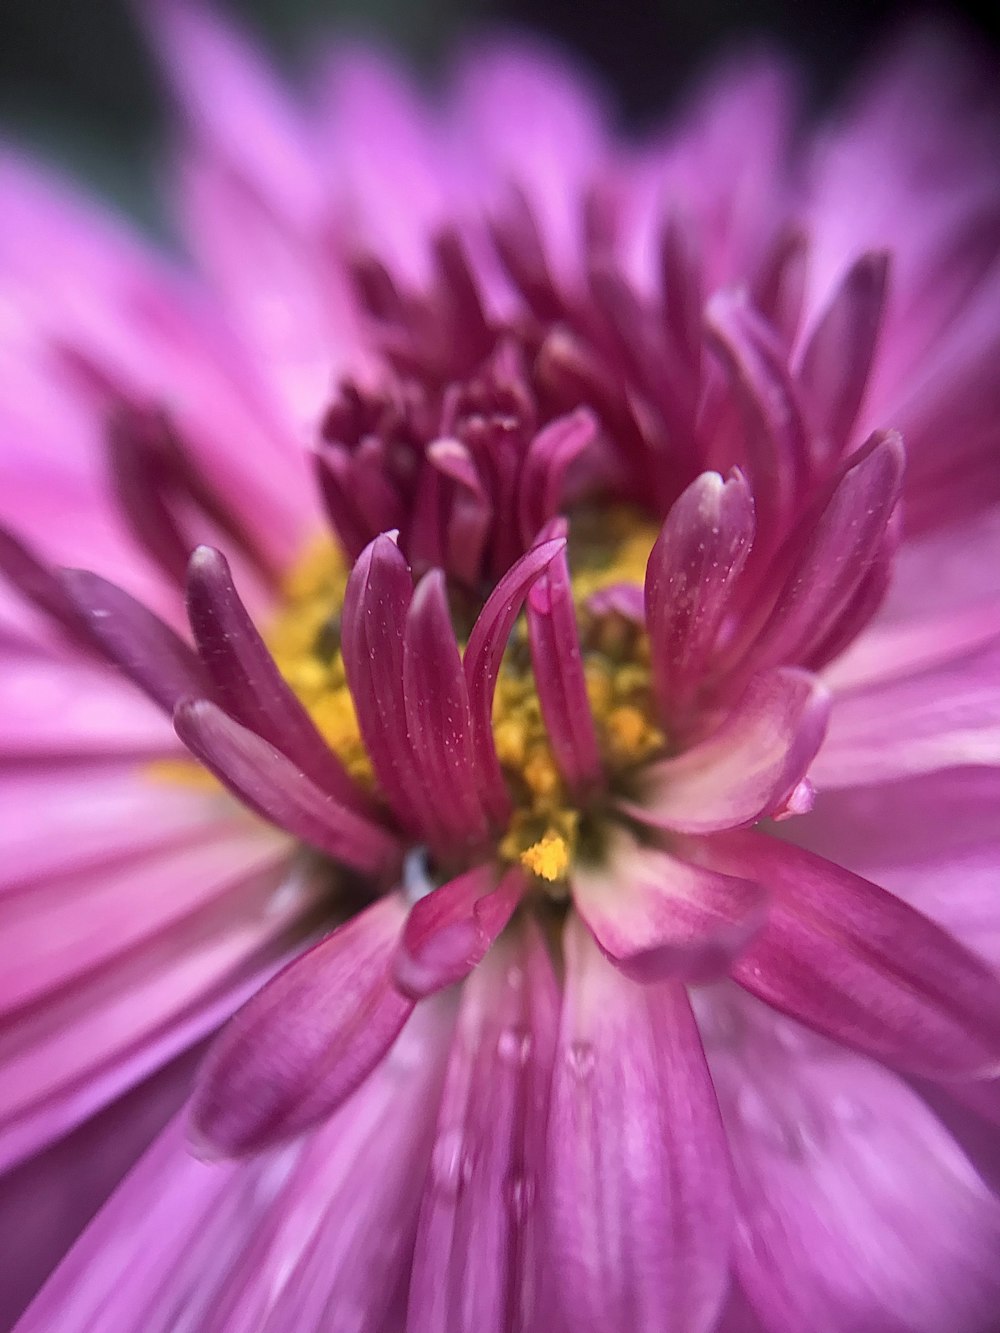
[648, 491]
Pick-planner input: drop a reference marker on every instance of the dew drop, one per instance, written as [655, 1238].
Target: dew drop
[515, 977]
[514, 1046]
[580, 1058]
[521, 1191]
[451, 1166]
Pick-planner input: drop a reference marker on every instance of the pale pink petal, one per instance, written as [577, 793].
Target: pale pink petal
[46, 1202]
[746, 769]
[942, 717]
[476, 1264]
[290, 1240]
[637, 1194]
[656, 916]
[856, 1209]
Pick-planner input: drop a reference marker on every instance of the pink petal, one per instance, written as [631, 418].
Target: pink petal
[439, 725]
[746, 769]
[638, 1198]
[46, 1202]
[656, 916]
[942, 717]
[558, 667]
[477, 1263]
[481, 662]
[270, 784]
[777, 441]
[78, 1048]
[377, 599]
[137, 641]
[232, 99]
[245, 681]
[451, 929]
[837, 360]
[857, 964]
[698, 556]
[830, 553]
[289, 1240]
[856, 1208]
[306, 1041]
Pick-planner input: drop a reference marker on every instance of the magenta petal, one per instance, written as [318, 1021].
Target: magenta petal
[861, 966]
[638, 1197]
[481, 662]
[834, 552]
[147, 650]
[777, 439]
[945, 716]
[376, 601]
[476, 1262]
[451, 929]
[857, 1210]
[838, 357]
[439, 725]
[562, 688]
[656, 916]
[549, 457]
[277, 789]
[40, 585]
[697, 558]
[246, 682]
[291, 1056]
[748, 768]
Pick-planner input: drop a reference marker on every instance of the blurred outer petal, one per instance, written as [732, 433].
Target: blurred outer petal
[46, 1202]
[60, 708]
[476, 1261]
[305, 1042]
[232, 99]
[274, 787]
[78, 1048]
[292, 1239]
[942, 717]
[450, 929]
[837, 359]
[746, 769]
[698, 555]
[637, 1194]
[136, 640]
[856, 1207]
[933, 839]
[830, 553]
[777, 442]
[857, 964]
[656, 916]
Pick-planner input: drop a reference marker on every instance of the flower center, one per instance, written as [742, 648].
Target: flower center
[608, 550]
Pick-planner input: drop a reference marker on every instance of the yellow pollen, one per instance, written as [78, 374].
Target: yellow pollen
[548, 858]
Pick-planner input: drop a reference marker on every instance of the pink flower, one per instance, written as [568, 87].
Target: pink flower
[667, 480]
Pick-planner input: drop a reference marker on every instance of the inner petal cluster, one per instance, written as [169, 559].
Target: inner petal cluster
[608, 550]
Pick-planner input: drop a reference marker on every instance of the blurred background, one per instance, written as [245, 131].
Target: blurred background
[75, 80]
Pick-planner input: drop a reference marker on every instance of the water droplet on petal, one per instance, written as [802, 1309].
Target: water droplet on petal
[514, 1046]
[521, 1195]
[451, 1166]
[580, 1058]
